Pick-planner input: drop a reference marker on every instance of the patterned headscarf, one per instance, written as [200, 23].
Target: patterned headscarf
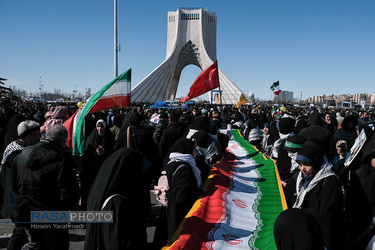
[57, 117]
[59, 112]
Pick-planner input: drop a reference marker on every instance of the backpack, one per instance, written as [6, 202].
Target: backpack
[162, 188]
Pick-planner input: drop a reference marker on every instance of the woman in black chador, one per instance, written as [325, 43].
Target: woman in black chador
[297, 229]
[118, 188]
[98, 146]
[360, 202]
[185, 182]
[317, 190]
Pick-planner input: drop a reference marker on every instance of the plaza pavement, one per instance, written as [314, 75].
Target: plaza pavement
[77, 236]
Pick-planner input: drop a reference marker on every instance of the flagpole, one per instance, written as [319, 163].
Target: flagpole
[115, 40]
[221, 104]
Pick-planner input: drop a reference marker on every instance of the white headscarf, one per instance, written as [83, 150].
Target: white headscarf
[102, 122]
[189, 159]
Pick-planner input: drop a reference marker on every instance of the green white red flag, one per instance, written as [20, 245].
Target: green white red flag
[275, 111]
[116, 94]
[276, 88]
[240, 206]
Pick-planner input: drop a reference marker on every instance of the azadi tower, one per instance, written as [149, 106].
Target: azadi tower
[191, 40]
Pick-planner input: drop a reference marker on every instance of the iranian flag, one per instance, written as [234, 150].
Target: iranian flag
[241, 204]
[115, 94]
[275, 111]
[275, 88]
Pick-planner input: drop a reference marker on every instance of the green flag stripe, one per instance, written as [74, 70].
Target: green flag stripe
[79, 135]
[268, 204]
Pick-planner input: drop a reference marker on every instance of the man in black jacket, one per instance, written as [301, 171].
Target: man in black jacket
[28, 134]
[44, 179]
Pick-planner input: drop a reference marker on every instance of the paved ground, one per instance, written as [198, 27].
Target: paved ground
[77, 236]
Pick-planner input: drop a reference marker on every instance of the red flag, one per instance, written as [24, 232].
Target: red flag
[69, 125]
[207, 80]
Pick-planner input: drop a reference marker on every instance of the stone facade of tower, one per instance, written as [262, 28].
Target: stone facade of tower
[191, 40]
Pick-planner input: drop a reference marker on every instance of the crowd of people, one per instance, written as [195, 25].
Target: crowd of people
[311, 149]
[331, 203]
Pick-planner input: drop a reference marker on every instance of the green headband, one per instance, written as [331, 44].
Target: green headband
[289, 144]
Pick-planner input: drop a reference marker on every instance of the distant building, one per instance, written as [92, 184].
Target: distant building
[344, 98]
[284, 97]
[360, 98]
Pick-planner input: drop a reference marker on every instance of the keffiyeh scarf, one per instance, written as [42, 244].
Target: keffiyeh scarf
[13, 146]
[324, 172]
[187, 158]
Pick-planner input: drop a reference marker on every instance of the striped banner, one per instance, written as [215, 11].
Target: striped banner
[115, 94]
[239, 209]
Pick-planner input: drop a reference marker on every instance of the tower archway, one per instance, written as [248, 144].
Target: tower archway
[191, 40]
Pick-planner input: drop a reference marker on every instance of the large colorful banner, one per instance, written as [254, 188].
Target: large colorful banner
[239, 209]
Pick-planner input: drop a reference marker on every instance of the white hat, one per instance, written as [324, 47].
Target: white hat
[27, 127]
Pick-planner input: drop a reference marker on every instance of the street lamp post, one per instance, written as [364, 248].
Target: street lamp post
[40, 88]
[74, 92]
[115, 40]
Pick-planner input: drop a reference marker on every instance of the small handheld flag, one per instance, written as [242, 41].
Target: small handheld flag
[275, 88]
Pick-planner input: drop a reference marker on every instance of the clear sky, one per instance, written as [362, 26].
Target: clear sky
[311, 46]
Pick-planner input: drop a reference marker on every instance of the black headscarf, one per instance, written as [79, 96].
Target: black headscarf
[223, 140]
[201, 123]
[136, 119]
[312, 152]
[238, 117]
[314, 119]
[286, 125]
[263, 119]
[345, 124]
[297, 229]
[121, 174]
[203, 139]
[183, 146]
[300, 124]
[251, 122]
[125, 122]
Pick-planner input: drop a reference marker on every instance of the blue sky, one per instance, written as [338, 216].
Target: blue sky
[315, 47]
